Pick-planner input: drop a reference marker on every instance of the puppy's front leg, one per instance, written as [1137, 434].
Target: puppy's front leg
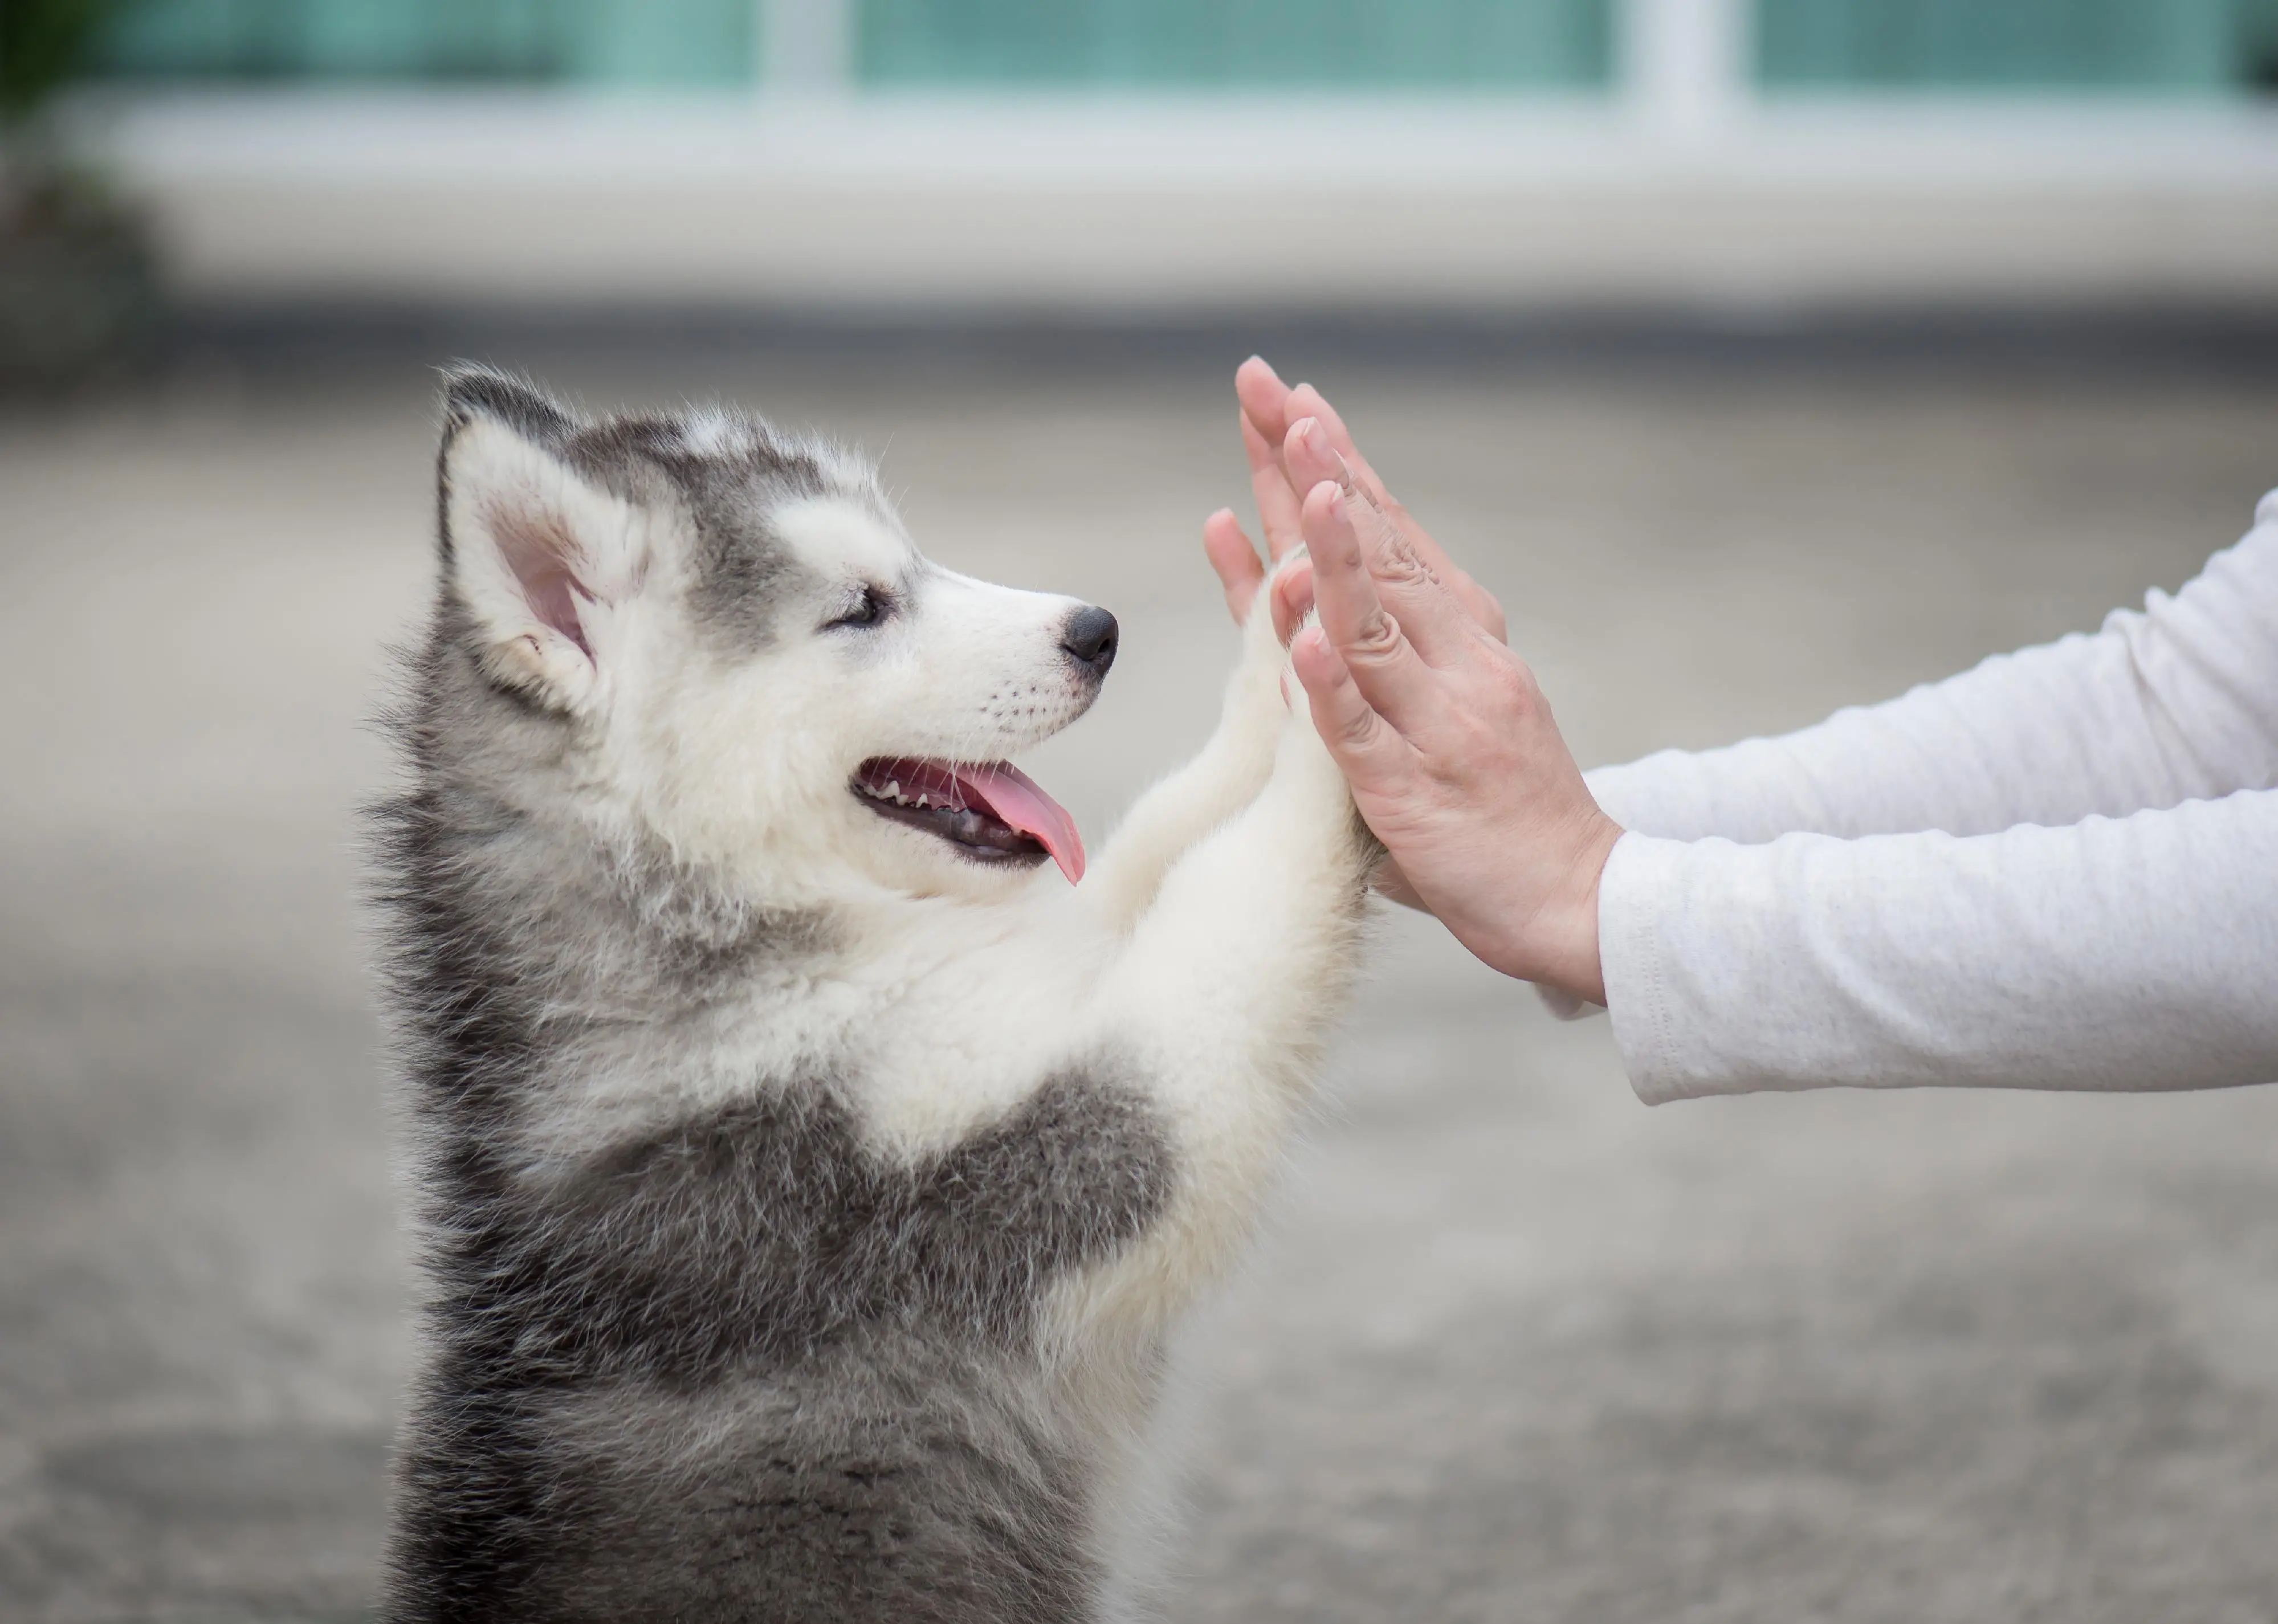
[1223, 778]
[1222, 1000]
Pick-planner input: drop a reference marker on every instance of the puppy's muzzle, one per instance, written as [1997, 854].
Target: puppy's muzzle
[1089, 639]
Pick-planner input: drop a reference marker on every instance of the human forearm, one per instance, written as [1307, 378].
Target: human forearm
[2130, 954]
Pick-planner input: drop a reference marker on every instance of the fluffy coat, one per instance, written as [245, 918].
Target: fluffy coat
[807, 1183]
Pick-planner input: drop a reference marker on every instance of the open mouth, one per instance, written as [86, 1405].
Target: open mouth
[991, 813]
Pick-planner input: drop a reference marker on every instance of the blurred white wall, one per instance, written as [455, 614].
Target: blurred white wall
[1684, 189]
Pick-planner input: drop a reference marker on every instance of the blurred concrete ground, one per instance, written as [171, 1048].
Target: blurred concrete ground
[1517, 1347]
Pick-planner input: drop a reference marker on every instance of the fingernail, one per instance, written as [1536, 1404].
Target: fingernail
[1310, 435]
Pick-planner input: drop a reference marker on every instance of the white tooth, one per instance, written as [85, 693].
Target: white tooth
[894, 788]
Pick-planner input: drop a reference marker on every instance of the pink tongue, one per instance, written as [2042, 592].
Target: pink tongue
[1018, 799]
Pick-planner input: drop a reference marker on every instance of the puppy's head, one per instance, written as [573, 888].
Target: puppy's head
[722, 635]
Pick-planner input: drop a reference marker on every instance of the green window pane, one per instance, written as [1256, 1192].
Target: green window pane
[629, 42]
[1200, 42]
[2141, 45]
[667, 42]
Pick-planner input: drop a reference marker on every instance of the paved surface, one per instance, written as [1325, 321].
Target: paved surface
[1518, 1348]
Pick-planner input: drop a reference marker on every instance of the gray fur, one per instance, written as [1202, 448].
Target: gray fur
[741, 1364]
[726, 489]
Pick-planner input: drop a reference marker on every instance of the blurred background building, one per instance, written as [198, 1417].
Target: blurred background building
[1749, 156]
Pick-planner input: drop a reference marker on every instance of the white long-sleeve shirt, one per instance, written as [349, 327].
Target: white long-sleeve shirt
[2058, 870]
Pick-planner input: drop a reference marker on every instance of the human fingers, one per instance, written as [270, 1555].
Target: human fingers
[1263, 396]
[1330, 453]
[1310, 454]
[1434, 618]
[1269, 483]
[1235, 560]
[1304, 400]
[1375, 759]
[1265, 424]
[1391, 677]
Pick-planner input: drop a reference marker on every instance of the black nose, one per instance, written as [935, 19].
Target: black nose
[1089, 639]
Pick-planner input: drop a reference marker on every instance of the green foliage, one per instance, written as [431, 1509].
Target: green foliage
[43, 42]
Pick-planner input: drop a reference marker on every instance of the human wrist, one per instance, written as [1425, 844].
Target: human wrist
[1560, 949]
[1586, 973]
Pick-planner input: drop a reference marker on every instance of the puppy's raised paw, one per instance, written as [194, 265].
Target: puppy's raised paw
[1261, 687]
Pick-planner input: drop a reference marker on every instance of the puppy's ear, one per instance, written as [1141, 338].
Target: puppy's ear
[544, 559]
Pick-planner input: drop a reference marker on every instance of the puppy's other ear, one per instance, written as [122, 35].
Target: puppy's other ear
[544, 559]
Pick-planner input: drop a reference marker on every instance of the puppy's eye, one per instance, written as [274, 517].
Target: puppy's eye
[868, 610]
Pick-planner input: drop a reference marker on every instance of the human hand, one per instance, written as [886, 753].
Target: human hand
[1282, 467]
[1450, 749]
[1281, 470]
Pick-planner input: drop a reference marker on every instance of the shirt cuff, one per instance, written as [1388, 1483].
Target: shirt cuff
[1640, 877]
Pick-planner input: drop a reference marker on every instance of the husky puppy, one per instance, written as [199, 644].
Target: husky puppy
[809, 1176]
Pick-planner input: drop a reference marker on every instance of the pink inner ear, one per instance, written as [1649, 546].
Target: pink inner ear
[538, 549]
